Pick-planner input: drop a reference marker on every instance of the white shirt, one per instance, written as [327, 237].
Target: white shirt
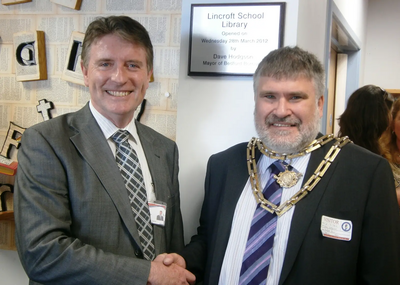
[244, 211]
[108, 129]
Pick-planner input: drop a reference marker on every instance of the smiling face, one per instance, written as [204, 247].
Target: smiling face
[117, 77]
[287, 113]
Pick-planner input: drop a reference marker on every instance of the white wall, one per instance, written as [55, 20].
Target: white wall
[382, 60]
[11, 271]
[311, 27]
[355, 13]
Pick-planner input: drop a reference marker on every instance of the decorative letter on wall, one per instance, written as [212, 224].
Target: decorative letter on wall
[30, 54]
[12, 2]
[6, 197]
[72, 70]
[13, 138]
[44, 107]
[73, 4]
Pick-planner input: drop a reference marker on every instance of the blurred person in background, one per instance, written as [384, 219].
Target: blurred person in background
[390, 144]
[366, 117]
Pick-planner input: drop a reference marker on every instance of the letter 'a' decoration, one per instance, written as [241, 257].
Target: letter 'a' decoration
[72, 70]
[30, 55]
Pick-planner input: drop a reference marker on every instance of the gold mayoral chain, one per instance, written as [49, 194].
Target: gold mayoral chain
[288, 178]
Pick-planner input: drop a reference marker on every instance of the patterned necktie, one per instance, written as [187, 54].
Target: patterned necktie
[257, 255]
[129, 166]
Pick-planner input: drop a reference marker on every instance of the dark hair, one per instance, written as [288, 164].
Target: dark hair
[124, 27]
[388, 140]
[290, 63]
[389, 99]
[366, 117]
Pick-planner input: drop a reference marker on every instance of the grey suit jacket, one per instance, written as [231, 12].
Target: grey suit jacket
[74, 224]
[358, 187]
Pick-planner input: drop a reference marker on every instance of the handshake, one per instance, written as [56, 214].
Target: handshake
[170, 269]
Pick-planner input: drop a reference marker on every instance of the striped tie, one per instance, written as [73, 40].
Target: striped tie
[257, 255]
[129, 166]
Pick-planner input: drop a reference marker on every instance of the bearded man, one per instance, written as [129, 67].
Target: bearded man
[294, 206]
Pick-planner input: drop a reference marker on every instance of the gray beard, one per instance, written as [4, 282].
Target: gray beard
[279, 140]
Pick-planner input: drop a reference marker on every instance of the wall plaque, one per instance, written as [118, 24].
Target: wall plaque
[231, 39]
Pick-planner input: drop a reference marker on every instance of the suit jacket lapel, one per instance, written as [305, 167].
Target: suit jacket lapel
[89, 137]
[231, 193]
[305, 210]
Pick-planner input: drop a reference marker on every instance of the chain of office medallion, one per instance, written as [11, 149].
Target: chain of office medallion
[307, 187]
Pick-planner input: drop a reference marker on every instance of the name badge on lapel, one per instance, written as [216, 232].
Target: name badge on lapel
[158, 212]
[336, 228]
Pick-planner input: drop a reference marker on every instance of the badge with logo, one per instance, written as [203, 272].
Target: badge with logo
[336, 228]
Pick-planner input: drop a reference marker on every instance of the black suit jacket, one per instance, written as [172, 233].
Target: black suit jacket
[358, 186]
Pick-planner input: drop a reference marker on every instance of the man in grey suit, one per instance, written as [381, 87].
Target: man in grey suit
[75, 219]
[327, 216]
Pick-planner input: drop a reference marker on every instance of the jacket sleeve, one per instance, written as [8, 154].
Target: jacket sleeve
[379, 256]
[176, 242]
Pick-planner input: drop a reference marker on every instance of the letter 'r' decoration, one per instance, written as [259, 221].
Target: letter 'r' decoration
[72, 70]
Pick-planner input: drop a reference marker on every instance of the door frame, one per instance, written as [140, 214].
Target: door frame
[352, 49]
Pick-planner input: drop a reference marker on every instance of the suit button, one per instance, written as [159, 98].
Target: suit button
[138, 253]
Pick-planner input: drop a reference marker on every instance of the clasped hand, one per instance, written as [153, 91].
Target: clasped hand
[170, 269]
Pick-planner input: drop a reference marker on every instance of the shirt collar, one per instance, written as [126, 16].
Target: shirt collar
[265, 162]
